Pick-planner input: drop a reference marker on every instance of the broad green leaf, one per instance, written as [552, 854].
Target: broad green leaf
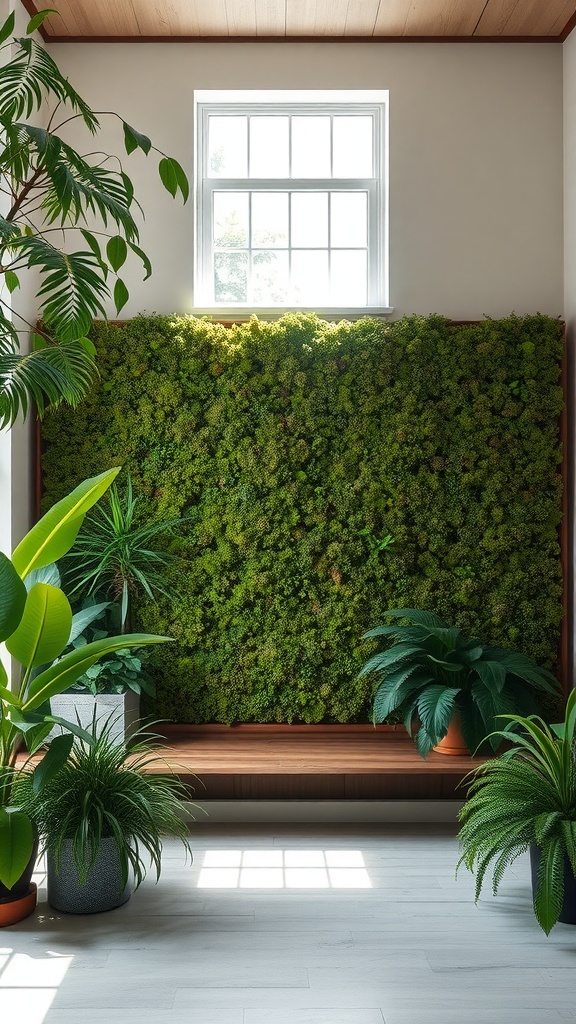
[44, 627]
[56, 532]
[12, 597]
[60, 676]
[12, 281]
[7, 695]
[16, 845]
[47, 574]
[53, 760]
[92, 242]
[181, 179]
[417, 616]
[145, 261]
[116, 251]
[84, 617]
[135, 140]
[88, 346]
[121, 295]
[7, 28]
[492, 674]
[37, 20]
[168, 176]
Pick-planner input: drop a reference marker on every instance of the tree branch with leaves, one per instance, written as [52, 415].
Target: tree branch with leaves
[51, 199]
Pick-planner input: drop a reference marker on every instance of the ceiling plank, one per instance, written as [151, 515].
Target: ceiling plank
[361, 17]
[241, 17]
[443, 17]
[525, 17]
[271, 18]
[392, 17]
[316, 17]
[165, 17]
[103, 18]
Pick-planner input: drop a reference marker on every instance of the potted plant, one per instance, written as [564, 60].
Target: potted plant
[114, 559]
[434, 677]
[526, 799]
[35, 625]
[99, 847]
[52, 193]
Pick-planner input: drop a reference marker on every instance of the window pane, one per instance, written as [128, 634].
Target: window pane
[309, 219]
[310, 277]
[349, 219]
[231, 277]
[270, 218]
[349, 279]
[352, 153]
[227, 147]
[270, 277]
[269, 154]
[311, 147]
[231, 219]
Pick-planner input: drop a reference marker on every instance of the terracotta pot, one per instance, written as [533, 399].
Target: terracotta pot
[14, 910]
[453, 742]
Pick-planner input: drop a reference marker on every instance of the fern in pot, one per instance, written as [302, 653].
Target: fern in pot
[116, 557]
[432, 675]
[101, 819]
[525, 799]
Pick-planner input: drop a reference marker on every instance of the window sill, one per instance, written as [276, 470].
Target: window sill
[242, 314]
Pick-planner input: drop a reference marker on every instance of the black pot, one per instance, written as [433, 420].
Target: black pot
[21, 888]
[568, 912]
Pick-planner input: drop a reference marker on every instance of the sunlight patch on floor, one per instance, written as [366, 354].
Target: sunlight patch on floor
[29, 984]
[283, 869]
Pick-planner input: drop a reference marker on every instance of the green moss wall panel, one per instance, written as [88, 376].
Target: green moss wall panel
[328, 472]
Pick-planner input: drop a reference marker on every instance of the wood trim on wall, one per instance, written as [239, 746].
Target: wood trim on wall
[296, 39]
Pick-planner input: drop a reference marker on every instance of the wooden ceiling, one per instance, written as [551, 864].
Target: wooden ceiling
[321, 20]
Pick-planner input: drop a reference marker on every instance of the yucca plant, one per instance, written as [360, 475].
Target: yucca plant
[431, 671]
[526, 799]
[53, 195]
[106, 790]
[118, 556]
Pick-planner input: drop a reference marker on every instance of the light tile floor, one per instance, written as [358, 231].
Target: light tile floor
[374, 930]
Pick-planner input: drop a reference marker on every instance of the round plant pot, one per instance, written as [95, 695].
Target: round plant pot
[453, 742]
[14, 909]
[102, 888]
[568, 912]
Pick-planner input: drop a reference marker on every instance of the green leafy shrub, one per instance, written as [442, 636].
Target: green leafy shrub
[329, 472]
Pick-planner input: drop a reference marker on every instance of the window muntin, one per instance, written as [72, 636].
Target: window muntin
[291, 205]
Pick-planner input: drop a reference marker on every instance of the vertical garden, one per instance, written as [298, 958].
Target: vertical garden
[326, 472]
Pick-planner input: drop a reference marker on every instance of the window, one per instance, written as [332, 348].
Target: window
[291, 200]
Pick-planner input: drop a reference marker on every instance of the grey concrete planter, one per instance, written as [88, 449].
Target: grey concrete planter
[102, 889]
[123, 707]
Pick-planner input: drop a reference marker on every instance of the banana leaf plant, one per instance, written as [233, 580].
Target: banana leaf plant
[35, 626]
[430, 671]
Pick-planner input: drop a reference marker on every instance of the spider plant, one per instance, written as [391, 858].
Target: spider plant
[431, 671]
[526, 798]
[105, 790]
[116, 555]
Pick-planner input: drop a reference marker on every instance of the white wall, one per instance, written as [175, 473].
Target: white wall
[475, 170]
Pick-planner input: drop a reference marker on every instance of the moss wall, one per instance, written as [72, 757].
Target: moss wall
[329, 471]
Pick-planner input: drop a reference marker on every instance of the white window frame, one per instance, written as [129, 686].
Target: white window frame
[296, 102]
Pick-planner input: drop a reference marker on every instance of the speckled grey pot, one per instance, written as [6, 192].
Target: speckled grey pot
[102, 890]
